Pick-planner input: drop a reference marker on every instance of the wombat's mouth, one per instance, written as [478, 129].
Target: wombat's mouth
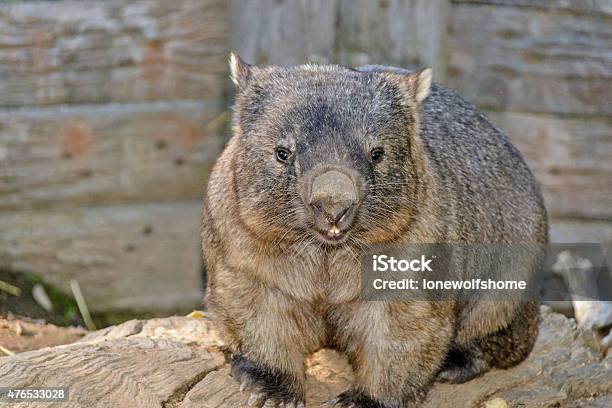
[332, 236]
[333, 231]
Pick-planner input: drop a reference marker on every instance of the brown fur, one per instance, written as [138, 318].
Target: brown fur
[279, 294]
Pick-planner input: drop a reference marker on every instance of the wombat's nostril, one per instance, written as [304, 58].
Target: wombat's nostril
[332, 213]
[333, 194]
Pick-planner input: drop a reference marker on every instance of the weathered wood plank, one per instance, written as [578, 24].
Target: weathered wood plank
[285, 32]
[588, 231]
[409, 34]
[175, 362]
[100, 51]
[140, 257]
[521, 59]
[99, 154]
[571, 158]
[594, 7]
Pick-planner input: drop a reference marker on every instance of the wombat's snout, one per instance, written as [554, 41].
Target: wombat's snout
[333, 198]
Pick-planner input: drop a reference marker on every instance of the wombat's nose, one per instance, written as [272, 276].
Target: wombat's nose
[332, 196]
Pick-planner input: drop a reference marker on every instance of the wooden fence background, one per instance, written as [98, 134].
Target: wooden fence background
[112, 112]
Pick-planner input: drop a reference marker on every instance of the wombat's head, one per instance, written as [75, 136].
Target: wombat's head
[326, 153]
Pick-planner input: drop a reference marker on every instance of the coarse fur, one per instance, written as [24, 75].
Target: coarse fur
[280, 291]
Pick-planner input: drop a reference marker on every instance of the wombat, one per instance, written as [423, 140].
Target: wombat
[326, 160]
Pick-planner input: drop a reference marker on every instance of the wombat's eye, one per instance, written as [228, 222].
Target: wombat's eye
[282, 154]
[376, 154]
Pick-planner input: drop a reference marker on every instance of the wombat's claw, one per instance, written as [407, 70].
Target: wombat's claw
[245, 384]
[260, 400]
[271, 403]
[292, 404]
[256, 399]
[338, 401]
[266, 389]
[330, 402]
[352, 399]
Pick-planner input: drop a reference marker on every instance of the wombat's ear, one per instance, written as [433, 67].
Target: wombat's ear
[420, 83]
[240, 70]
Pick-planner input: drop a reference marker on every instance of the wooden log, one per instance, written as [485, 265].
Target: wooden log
[178, 362]
[19, 334]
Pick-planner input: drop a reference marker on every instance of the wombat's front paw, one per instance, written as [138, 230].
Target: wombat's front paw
[462, 367]
[354, 399]
[459, 375]
[267, 387]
